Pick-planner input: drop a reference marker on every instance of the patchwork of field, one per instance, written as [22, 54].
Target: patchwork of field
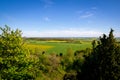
[57, 46]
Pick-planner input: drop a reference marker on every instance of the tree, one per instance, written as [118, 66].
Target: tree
[104, 61]
[15, 60]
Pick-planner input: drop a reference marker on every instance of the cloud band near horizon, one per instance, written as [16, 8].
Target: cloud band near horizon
[62, 33]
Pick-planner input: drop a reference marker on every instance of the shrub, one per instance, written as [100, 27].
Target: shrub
[15, 60]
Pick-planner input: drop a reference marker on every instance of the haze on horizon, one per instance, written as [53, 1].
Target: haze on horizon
[61, 18]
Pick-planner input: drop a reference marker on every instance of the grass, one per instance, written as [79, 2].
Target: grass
[57, 46]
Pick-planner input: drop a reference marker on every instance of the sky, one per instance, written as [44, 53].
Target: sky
[61, 18]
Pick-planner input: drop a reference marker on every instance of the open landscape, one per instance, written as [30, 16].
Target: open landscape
[57, 58]
[59, 45]
[59, 39]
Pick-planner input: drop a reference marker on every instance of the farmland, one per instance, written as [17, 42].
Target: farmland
[59, 45]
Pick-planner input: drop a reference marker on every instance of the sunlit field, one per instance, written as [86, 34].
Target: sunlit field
[57, 46]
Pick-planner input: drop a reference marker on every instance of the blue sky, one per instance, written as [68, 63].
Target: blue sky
[61, 18]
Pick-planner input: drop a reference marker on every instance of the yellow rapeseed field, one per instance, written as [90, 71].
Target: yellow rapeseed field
[33, 48]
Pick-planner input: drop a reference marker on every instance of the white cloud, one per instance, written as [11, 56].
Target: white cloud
[46, 19]
[62, 33]
[86, 15]
[47, 3]
[117, 34]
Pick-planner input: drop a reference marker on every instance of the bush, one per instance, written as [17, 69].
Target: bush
[104, 61]
[15, 62]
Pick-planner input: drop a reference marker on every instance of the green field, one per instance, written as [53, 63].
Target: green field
[56, 46]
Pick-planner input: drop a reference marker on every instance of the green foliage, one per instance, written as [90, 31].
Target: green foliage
[50, 68]
[104, 62]
[67, 60]
[14, 57]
